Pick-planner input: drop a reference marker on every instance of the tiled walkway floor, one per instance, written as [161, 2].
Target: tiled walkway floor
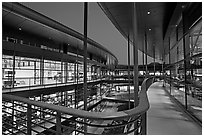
[165, 118]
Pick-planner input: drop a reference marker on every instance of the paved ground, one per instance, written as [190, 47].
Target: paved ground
[165, 117]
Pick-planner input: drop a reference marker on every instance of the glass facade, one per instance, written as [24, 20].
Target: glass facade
[185, 72]
[32, 72]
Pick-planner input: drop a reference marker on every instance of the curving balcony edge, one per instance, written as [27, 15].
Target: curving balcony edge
[135, 112]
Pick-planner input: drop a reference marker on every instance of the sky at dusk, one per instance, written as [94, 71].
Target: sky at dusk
[100, 28]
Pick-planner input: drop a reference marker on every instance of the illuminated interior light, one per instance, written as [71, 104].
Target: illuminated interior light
[148, 12]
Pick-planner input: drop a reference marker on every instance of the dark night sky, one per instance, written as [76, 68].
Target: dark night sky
[100, 28]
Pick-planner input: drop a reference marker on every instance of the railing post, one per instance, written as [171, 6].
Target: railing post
[144, 123]
[29, 113]
[58, 123]
[144, 116]
[170, 64]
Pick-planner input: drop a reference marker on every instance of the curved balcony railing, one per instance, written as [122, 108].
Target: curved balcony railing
[62, 120]
[57, 82]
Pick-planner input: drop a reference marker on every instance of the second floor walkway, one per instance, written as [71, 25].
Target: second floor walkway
[165, 117]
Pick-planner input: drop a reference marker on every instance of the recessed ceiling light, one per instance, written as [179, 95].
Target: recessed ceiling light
[176, 25]
[150, 29]
[148, 12]
[19, 28]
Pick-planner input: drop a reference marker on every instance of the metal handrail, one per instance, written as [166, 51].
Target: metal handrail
[135, 112]
[142, 107]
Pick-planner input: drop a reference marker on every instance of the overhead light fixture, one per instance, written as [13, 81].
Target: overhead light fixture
[176, 25]
[19, 28]
[148, 12]
[183, 6]
[150, 29]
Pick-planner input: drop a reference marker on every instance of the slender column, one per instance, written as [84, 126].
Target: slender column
[85, 53]
[41, 109]
[170, 63]
[35, 73]
[100, 82]
[192, 55]
[185, 60]
[146, 52]
[143, 54]
[58, 123]
[85, 59]
[76, 77]
[75, 70]
[65, 99]
[101, 75]
[154, 59]
[29, 113]
[41, 71]
[135, 52]
[91, 72]
[12, 114]
[163, 71]
[129, 70]
[144, 123]
[14, 63]
[62, 73]
[66, 71]
[61, 98]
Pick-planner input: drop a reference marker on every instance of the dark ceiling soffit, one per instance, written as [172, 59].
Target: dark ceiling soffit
[111, 18]
[38, 17]
[173, 21]
[103, 6]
